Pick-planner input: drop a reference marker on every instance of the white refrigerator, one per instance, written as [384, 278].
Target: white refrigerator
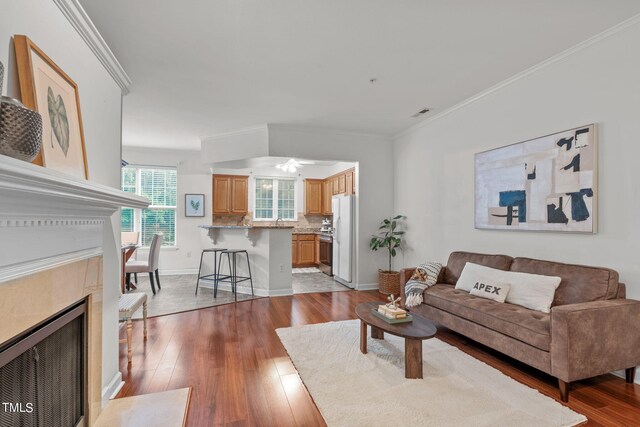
[343, 239]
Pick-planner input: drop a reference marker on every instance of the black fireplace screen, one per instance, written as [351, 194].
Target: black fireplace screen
[43, 386]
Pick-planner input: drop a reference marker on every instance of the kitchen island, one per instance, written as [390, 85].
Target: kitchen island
[269, 249]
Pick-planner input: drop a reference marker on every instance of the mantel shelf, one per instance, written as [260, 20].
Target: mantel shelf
[29, 191]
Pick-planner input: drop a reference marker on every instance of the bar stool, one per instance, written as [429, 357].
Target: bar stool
[216, 268]
[234, 279]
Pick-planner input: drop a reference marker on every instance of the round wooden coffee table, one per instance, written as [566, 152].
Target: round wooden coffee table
[413, 333]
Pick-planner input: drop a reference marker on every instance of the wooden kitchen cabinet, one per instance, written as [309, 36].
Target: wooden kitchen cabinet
[335, 187]
[313, 197]
[306, 252]
[316, 260]
[294, 250]
[327, 193]
[342, 183]
[303, 250]
[349, 189]
[239, 195]
[230, 194]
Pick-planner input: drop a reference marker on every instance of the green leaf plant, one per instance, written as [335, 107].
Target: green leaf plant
[388, 237]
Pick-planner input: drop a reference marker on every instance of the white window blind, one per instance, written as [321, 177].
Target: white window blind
[275, 198]
[160, 186]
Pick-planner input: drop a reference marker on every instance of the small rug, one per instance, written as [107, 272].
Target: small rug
[351, 388]
[305, 270]
[178, 295]
[164, 409]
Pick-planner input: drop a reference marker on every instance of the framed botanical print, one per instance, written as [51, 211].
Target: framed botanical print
[194, 205]
[45, 88]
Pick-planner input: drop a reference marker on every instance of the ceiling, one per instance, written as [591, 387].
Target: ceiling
[203, 67]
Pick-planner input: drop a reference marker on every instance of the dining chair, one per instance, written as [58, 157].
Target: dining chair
[150, 266]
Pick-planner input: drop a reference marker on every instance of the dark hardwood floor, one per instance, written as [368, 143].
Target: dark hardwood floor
[241, 374]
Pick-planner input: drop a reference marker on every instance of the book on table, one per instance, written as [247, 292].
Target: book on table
[392, 312]
[407, 318]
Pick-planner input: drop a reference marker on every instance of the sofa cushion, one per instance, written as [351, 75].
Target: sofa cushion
[457, 261]
[529, 326]
[579, 283]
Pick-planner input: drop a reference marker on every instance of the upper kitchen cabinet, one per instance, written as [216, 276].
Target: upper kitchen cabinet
[350, 186]
[327, 193]
[313, 190]
[230, 194]
[335, 185]
[342, 183]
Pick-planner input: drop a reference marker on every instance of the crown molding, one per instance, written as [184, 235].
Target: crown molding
[76, 14]
[526, 73]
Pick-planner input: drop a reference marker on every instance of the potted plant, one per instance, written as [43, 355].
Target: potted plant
[390, 239]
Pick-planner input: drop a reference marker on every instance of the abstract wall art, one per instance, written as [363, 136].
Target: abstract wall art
[544, 184]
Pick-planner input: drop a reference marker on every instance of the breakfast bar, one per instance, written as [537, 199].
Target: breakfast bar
[269, 249]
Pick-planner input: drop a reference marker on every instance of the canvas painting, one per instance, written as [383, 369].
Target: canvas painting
[48, 90]
[194, 205]
[544, 184]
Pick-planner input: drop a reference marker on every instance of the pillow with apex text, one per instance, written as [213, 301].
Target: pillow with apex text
[494, 291]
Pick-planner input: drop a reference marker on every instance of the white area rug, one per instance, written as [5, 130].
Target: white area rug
[351, 388]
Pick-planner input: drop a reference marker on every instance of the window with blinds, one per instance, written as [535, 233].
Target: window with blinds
[160, 186]
[275, 198]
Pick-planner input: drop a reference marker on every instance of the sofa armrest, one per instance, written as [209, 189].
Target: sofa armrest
[594, 338]
[405, 275]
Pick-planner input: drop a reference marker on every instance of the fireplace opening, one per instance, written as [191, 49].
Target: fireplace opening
[43, 374]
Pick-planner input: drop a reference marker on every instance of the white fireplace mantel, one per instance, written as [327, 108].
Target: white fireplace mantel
[48, 218]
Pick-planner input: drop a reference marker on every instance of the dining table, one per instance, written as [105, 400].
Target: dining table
[128, 250]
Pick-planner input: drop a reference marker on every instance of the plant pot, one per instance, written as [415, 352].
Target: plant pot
[389, 282]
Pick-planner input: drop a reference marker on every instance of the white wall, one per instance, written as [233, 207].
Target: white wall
[374, 180]
[434, 164]
[100, 100]
[193, 178]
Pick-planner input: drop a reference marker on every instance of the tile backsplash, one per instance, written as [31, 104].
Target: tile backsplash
[307, 222]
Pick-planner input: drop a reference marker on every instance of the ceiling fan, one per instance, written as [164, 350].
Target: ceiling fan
[292, 165]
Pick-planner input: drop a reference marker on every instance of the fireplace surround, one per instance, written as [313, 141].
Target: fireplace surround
[52, 228]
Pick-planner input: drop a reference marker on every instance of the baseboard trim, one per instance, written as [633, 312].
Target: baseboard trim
[281, 292]
[367, 287]
[114, 386]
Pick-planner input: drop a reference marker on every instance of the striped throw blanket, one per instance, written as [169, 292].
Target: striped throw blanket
[425, 275]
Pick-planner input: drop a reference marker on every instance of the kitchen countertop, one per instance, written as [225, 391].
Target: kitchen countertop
[319, 233]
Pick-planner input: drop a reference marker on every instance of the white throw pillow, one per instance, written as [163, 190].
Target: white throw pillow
[494, 291]
[532, 291]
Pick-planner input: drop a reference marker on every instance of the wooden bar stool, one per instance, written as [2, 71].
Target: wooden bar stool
[216, 273]
[233, 278]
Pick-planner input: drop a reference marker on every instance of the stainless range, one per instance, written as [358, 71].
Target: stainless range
[326, 253]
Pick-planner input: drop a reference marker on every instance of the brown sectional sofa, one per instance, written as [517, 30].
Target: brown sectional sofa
[591, 330]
